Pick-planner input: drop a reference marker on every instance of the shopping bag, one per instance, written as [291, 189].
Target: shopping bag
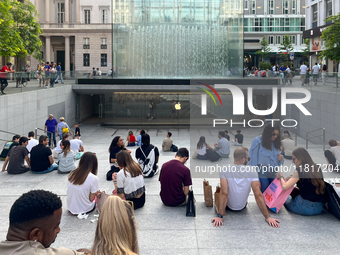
[217, 199]
[275, 197]
[207, 190]
[191, 208]
[332, 204]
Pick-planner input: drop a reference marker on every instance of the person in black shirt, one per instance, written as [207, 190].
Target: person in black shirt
[226, 135]
[238, 138]
[8, 146]
[147, 147]
[41, 157]
[77, 131]
[116, 146]
[309, 180]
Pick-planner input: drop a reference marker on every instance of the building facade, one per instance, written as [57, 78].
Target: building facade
[317, 12]
[273, 19]
[77, 33]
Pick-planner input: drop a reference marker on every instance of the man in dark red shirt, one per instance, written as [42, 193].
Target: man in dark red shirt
[175, 180]
[3, 76]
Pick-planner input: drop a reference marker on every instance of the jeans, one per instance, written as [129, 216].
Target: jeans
[49, 134]
[265, 178]
[302, 206]
[202, 157]
[61, 77]
[4, 83]
[315, 78]
[221, 154]
[52, 167]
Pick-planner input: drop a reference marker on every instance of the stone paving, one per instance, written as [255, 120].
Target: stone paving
[165, 230]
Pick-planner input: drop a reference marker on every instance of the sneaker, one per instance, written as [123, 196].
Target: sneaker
[56, 82]
[220, 159]
[3, 92]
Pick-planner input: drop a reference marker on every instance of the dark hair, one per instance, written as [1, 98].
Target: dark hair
[114, 143]
[22, 140]
[226, 131]
[316, 63]
[306, 172]
[142, 132]
[59, 63]
[88, 163]
[32, 206]
[66, 135]
[42, 138]
[201, 142]
[146, 139]
[16, 137]
[31, 134]
[76, 135]
[169, 134]
[221, 133]
[332, 143]
[324, 68]
[267, 137]
[238, 131]
[182, 153]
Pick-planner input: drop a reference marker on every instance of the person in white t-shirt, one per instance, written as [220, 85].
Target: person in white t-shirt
[82, 187]
[333, 155]
[287, 145]
[58, 149]
[77, 146]
[303, 73]
[236, 182]
[31, 142]
[315, 71]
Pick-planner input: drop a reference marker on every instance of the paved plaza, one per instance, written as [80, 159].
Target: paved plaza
[166, 230]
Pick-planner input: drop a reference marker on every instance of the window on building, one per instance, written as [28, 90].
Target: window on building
[246, 5]
[104, 16]
[292, 39]
[103, 43]
[238, 5]
[86, 43]
[86, 59]
[61, 12]
[117, 4]
[285, 7]
[315, 16]
[271, 39]
[253, 7]
[271, 6]
[116, 17]
[277, 39]
[328, 11]
[87, 16]
[231, 5]
[103, 59]
[293, 6]
[302, 40]
[122, 18]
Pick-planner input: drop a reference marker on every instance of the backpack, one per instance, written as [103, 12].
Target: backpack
[148, 163]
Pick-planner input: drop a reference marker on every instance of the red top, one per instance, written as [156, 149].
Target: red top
[132, 139]
[3, 73]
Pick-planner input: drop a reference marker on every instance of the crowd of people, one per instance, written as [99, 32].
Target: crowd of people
[266, 153]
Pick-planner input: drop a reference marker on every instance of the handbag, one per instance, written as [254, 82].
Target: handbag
[101, 198]
[212, 155]
[217, 199]
[275, 196]
[207, 190]
[65, 129]
[332, 204]
[191, 208]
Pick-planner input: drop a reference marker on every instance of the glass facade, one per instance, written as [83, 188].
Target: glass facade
[177, 38]
[274, 24]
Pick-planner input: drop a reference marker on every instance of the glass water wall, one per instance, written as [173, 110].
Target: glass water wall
[178, 38]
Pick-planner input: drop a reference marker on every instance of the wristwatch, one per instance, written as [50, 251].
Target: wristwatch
[220, 216]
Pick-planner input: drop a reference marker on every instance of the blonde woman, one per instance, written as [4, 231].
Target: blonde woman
[129, 181]
[67, 158]
[116, 232]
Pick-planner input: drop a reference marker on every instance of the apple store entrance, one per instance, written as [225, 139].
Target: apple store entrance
[145, 108]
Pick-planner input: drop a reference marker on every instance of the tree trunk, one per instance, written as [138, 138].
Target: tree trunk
[337, 74]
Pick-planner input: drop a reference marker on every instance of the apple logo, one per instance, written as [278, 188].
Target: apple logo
[178, 106]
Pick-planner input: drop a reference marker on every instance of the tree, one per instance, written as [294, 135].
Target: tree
[306, 51]
[331, 39]
[286, 48]
[265, 49]
[19, 29]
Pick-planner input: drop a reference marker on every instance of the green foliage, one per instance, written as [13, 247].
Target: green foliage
[19, 29]
[331, 39]
[306, 51]
[265, 49]
[265, 66]
[286, 47]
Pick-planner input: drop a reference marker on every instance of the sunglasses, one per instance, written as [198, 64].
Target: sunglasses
[274, 134]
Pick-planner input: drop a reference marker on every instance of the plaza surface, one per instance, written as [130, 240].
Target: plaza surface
[166, 230]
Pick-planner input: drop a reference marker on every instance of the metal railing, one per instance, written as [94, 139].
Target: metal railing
[2, 131]
[36, 135]
[323, 135]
